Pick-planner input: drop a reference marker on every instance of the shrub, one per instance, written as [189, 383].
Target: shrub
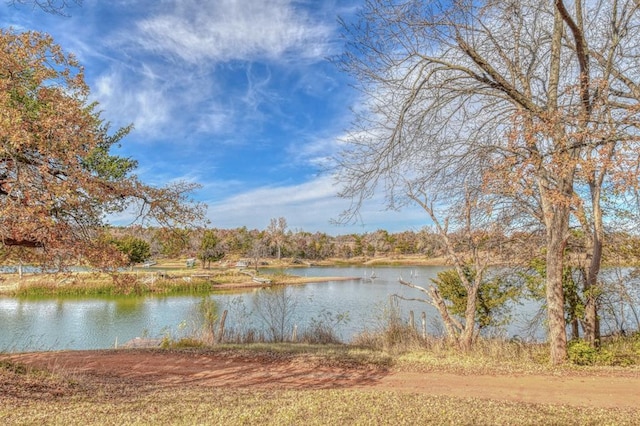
[393, 335]
[323, 329]
[182, 343]
[617, 351]
[582, 353]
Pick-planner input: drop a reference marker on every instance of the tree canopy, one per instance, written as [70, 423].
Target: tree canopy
[58, 177]
[530, 107]
[135, 249]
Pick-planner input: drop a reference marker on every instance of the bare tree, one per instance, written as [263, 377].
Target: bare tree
[55, 7]
[277, 310]
[473, 256]
[276, 233]
[257, 252]
[520, 93]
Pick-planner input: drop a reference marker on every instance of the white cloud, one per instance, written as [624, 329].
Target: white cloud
[146, 106]
[316, 152]
[226, 30]
[310, 206]
[216, 120]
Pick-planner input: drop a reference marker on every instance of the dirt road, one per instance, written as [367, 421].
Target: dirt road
[167, 368]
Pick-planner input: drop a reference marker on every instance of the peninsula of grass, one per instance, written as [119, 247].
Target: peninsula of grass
[177, 282]
[117, 284]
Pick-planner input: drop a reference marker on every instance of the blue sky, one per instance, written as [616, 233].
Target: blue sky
[237, 95]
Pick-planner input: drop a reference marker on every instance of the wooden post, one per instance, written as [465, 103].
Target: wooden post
[424, 324]
[393, 301]
[220, 338]
[294, 336]
[412, 322]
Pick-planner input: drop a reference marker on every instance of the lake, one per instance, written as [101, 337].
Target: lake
[30, 324]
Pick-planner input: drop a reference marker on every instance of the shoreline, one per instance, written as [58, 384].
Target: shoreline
[292, 280]
[182, 287]
[170, 276]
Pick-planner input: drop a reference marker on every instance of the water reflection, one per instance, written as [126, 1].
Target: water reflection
[95, 323]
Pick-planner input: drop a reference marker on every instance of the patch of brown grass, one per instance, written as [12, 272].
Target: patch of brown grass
[191, 405]
[20, 382]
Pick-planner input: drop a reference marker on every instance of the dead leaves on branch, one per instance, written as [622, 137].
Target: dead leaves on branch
[57, 177]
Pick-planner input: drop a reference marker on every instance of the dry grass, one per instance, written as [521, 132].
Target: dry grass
[170, 277]
[338, 407]
[35, 397]
[495, 356]
[64, 398]
[123, 283]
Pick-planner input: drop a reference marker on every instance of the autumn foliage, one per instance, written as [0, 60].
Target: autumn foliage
[58, 178]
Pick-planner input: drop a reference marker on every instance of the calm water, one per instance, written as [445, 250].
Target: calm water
[97, 323]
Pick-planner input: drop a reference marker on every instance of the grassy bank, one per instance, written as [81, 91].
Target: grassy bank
[179, 281]
[100, 284]
[170, 276]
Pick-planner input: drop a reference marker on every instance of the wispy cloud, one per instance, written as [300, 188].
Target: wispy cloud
[147, 106]
[316, 152]
[310, 206]
[234, 94]
[227, 30]
[180, 65]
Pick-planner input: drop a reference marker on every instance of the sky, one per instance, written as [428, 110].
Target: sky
[237, 95]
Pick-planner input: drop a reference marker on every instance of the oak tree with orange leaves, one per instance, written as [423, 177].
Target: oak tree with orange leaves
[58, 178]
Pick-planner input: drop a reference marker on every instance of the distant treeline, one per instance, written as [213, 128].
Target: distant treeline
[621, 248]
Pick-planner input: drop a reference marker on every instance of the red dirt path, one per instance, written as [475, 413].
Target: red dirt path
[167, 368]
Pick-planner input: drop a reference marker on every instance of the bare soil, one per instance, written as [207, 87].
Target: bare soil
[144, 368]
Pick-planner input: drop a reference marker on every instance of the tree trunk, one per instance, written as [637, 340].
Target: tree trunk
[555, 193]
[220, 336]
[466, 338]
[591, 321]
[557, 226]
[449, 322]
[591, 293]
[575, 329]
